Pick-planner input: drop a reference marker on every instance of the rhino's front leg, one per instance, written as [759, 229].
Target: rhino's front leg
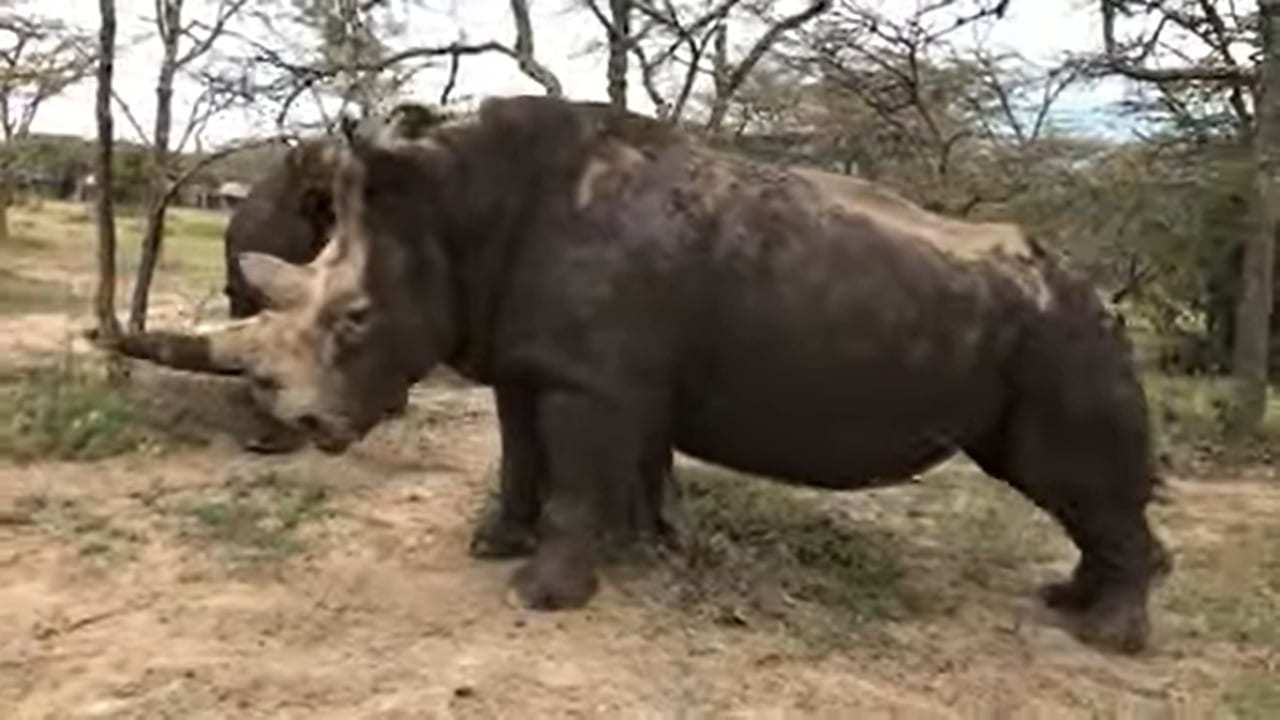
[593, 449]
[509, 526]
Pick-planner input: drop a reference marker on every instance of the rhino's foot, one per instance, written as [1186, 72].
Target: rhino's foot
[1117, 622]
[1075, 595]
[498, 538]
[555, 581]
[1110, 613]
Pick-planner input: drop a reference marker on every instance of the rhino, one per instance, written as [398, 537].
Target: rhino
[289, 214]
[628, 291]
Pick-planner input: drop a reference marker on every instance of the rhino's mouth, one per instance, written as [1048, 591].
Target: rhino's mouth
[334, 436]
[329, 437]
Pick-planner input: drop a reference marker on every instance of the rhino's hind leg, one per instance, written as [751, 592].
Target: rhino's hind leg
[1081, 453]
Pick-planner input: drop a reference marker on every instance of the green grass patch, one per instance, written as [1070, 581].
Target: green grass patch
[259, 518]
[65, 412]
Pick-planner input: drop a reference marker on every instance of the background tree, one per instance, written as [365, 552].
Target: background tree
[342, 53]
[620, 43]
[184, 41]
[1195, 68]
[39, 58]
[681, 46]
[1256, 306]
[108, 326]
[957, 129]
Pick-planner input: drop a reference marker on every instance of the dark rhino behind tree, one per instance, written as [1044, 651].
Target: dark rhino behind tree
[627, 290]
[288, 214]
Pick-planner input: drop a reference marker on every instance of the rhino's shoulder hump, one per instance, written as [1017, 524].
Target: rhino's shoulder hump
[957, 238]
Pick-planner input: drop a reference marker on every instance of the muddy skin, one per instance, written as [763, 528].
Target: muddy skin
[508, 527]
[289, 214]
[629, 292]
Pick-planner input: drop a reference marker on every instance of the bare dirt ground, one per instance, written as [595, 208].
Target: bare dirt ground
[203, 582]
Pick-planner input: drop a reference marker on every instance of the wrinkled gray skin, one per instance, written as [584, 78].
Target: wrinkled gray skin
[624, 289]
[289, 214]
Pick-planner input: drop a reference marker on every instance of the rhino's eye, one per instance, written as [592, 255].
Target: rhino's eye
[354, 321]
[357, 315]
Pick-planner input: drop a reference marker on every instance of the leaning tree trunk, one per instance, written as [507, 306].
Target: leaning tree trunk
[158, 194]
[104, 301]
[1253, 314]
[6, 197]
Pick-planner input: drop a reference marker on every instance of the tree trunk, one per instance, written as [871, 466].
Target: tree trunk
[169, 25]
[104, 301]
[1253, 314]
[152, 238]
[6, 197]
[619, 41]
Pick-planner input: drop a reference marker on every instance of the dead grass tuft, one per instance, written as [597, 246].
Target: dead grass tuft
[756, 553]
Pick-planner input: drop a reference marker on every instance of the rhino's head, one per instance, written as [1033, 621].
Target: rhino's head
[289, 212]
[341, 338]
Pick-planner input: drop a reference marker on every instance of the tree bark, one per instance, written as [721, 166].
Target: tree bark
[6, 197]
[1253, 313]
[619, 47]
[104, 300]
[169, 26]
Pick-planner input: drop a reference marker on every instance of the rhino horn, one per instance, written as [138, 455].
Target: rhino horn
[283, 285]
[226, 351]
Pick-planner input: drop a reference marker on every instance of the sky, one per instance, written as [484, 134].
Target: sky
[1039, 29]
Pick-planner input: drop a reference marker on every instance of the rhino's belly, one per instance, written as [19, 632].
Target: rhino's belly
[836, 429]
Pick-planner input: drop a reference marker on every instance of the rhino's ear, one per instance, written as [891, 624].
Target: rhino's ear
[362, 138]
[349, 127]
[283, 285]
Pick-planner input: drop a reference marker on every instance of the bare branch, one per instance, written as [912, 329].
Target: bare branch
[727, 86]
[1135, 68]
[221, 154]
[454, 62]
[227, 9]
[524, 54]
[133, 119]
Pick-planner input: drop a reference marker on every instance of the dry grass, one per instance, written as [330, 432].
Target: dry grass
[930, 571]
[61, 236]
[20, 295]
[760, 554]
[1189, 420]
